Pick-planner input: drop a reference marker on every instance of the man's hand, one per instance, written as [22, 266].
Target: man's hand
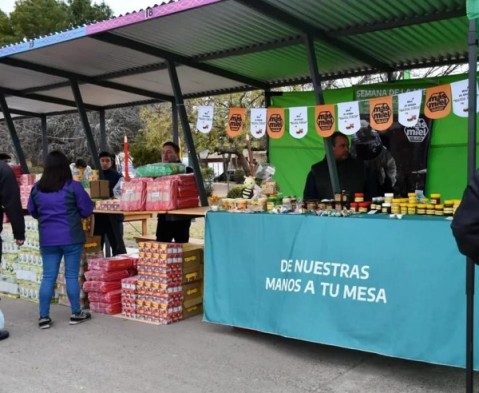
[19, 242]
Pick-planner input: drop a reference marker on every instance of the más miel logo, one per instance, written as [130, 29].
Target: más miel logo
[437, 102]
[381, 113]
[235, 122]
[275, 123]
[325, 120]
[418, 133]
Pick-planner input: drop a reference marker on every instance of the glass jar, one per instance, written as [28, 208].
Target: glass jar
[386, 208]
[435, 199]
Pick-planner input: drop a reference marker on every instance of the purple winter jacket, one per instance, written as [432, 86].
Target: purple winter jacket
[59, 214]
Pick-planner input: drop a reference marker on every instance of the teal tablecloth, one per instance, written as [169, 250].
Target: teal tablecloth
[393, 287]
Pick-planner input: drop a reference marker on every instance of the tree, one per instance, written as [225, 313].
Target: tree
[82, 11]
[7, 35]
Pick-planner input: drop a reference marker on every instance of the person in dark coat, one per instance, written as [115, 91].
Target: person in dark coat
[10, 203]
[110, 225]
[465, 224]
[351, 173]
[172, 227]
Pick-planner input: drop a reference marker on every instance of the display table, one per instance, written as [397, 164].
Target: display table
[388, 286]
[142, 216]
[191, 211]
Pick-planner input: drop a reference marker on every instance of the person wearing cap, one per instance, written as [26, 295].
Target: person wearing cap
[351, 173]
[5, 157]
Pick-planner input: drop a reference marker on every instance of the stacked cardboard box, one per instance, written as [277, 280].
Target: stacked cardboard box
[10, 251]
[192, 280]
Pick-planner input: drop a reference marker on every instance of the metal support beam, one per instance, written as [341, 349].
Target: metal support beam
[103, 144]
[267, 104]
[187, 131]
[318, 91]
[274, 12]
[471, 168]
[173, 57]
[85, 122]
[174, 114]
[13, 133]
[44, 137]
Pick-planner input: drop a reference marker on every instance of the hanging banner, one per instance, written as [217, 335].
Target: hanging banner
[258, 122]
[409, 107]
[381, 113]
[325, 121]
[298, 122]
[275, 126]
[438, 101]
[205, 119]
[348, 117]
[236, 121]
[460, 98]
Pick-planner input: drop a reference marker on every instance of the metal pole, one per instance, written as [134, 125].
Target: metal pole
[471, 167]
[103, 144]
[328, 146]
[180, 105]
[267, 104]
[13, 133]
[85, 122]
[44, 137]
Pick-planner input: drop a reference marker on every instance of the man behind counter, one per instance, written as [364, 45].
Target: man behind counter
[351, 173]
[110, 225]
[172, 227]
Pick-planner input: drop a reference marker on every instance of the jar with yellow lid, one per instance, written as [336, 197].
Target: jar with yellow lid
[430, 211]
[424, 201]
[403, 207]
[420, 209]
[455, 205]
[435, 199]
[448, 207]
[439, 210]
[388, 197]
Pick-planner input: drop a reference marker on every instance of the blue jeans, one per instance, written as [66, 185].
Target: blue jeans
[51, 256]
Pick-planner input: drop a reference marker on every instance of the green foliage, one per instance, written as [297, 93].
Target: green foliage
[208, 176]
[7, 35]
[82, 11]
[235, 192]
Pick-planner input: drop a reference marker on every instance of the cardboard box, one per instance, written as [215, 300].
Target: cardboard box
[192, 290]
[192, 307]
[192, 273]
[100, 189]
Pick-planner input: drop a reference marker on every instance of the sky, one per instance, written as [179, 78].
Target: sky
[118, 6]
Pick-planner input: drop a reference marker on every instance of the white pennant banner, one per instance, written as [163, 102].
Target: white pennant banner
[258, 122]
[460, 98]
[409, 107]
[205, 119]
[298, 122]
[348, 117]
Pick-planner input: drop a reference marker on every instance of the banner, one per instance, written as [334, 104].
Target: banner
[381, 112]
[409, 106]
[348, 117]
[275, 125]
[258, 122]
[325, 120]
[236, 121]
[205, 119]
[298, 122]
[438, 102]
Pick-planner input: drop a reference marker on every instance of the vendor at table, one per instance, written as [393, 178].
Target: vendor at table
[172, 227]
[110, 225]
[351, 173]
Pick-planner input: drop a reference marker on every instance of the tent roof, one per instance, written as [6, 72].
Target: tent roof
[222, 46]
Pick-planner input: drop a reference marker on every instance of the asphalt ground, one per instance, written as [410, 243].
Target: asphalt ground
[111, 354]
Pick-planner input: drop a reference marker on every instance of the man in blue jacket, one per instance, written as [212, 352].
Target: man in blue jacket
[11, 204]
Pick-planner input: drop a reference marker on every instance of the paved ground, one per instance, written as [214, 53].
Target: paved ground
[109, 354]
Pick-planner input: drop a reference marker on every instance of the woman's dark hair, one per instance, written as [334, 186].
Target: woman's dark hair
[80, 163]
[56, 172]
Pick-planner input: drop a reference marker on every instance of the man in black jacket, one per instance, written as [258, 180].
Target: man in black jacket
[10, 204]
[351, 173]
[465, 225]
[172, 227]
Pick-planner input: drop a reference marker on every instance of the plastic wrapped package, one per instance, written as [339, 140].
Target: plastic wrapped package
[110, 264]
[111, 297]
[105, 308]
[101, 286]
[172, 192]
[160, 169]
[133, 195]
[100, 275]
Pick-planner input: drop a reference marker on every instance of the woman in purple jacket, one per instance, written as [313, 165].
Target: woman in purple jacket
[59, 204]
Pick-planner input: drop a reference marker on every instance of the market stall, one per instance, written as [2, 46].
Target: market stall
[373, 283]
